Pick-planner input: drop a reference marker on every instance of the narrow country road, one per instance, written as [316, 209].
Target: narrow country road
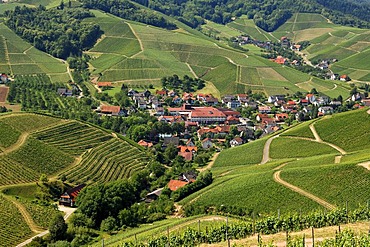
[210, 164]
[21, 140]
[318, 139]
[68, 212]
[266, 150]
[320, 201]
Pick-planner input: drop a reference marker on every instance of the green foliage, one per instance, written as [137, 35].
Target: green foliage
[187, 84]
[57, 228]
[69, 36]
[346, 238]
[130, 11]
[8, 135]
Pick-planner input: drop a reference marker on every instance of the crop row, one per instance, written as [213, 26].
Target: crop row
[8, 135]
[73, 138]
[13, 227]
[12, 172]
[112, 160]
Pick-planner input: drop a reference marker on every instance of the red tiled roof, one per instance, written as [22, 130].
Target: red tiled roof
[110, 109]
[161, 92]
[176, 184]
[206, 112]
[145, 144]
[72, 193]
[187, 149]
[280, 60]
[104, 84]
[187, 155]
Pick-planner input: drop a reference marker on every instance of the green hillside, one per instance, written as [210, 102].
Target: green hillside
[45, 145]
[19, 57]
[314, 166]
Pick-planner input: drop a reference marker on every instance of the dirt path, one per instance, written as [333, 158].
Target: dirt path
[366, 165]
[337, 159]
[302, 192]
[21, 140]
[27, 217]
[266, 150]
[191, 70]
[68, 212]
[210, 164]
[138, 39]
[318, 139]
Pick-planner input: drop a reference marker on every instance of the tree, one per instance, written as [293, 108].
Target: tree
[57, 228]
[108, 225]
[44, 179]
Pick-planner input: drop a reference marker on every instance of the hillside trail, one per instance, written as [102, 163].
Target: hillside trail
[21, 140]
[266, 150]
[27, 217]
[210, 164]
[67, 213]
[366, 165]
[138, 39]
[318, 139]
[320, 201]
[192, 71]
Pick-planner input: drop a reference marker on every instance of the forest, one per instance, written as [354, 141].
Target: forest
[267, 14]
[129, 11]
[57, 31]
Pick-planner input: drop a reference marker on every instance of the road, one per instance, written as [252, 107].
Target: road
[266, 150]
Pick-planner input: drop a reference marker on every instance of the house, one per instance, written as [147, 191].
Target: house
[322, 100]
[366, 102]
[264, 109]
[311, 98]
[274, 98]
[176, 184]
[141, 103]
[236, 142]
[344, 78]
[280, 60]
[218, 130]
[326, 110]
[296, 47]
[152, 196]
[233, 104]
[280, 117]
[189, 176]
[284, 41]
[230, 120]
[304, 102]
[4, 78]
[190, 143]
[162, 92]
[188, 156]
[251, 104]
[65, 92]
[69, 197]
[104, 84]
[171, 93]
[261, 116]
[176, 100]
[186, 149]
[171, 140]
[207, 143]
[335, 103]
[145, 144]
[357, 97]
[110, 110]
[206, 115]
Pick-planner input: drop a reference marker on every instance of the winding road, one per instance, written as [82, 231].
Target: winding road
[266, 150]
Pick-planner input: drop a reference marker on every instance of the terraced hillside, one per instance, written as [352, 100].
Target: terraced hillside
[313, 165]
[19, 57]
[38, 144]
[138, 54]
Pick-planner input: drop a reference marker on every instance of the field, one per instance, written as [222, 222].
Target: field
[139, 55]
[19, 57]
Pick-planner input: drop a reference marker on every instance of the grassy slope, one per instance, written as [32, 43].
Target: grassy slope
[349, 130]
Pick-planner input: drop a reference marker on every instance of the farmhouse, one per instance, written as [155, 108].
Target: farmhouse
[69, 197]
[110, 110]
[145, 144]
[104, 84]
[236, 141]
[176, 184]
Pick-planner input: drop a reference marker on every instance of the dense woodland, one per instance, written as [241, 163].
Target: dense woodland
[267, 14]
[129, 11]
[58, 32]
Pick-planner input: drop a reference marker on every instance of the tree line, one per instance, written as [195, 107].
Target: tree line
[129, 11]
[267, 14]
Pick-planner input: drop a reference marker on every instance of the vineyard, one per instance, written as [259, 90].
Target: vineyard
[73, 137]
[112, 160]
[13, 227]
